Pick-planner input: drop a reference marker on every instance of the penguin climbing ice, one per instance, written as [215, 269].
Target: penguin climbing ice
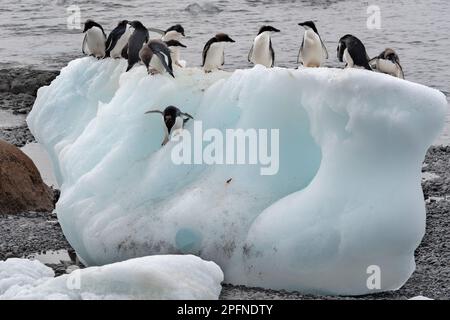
[312, 52]
[157, 50]
[388, 62]
[138, 38]
[352, 51]
[174, 120]
[262, 50]
[176, 33]
[213, 53]
[94, 43]
[118, 39]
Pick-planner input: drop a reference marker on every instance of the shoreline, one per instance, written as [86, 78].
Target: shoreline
[24, 234]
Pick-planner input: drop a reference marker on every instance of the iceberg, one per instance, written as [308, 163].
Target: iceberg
[147, 278]
[343, 215]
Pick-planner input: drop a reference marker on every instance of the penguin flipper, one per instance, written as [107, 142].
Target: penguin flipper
[272, 52]
[83, 47]
[156, 30]
[324, 48]
[250, 54]
[125, 52]
[300, 52]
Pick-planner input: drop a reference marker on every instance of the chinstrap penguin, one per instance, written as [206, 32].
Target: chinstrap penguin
[138, 38]
[388, 62]
[214, 54]
[94, 43]
[262, 50]
[353, 52]
[312, 52]
[174, 120]
[118, 39]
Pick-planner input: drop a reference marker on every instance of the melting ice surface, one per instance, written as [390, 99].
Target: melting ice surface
[148, 278]
[347, 196]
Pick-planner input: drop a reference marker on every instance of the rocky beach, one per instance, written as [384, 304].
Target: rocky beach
[26, 233]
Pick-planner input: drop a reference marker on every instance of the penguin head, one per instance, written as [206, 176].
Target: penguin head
[137, 25]
[176, 28]
[90, 24]
[175, 43]
[309, 25]
[123, 23]
[222, 37]
[170, 115]
[391, 55]
[343, 43]
[267, 29]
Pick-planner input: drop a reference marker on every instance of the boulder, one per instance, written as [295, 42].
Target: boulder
[21, 185]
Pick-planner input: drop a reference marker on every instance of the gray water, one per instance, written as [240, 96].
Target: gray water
[35, 32]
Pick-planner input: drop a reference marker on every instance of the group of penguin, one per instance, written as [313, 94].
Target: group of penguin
[131, 41]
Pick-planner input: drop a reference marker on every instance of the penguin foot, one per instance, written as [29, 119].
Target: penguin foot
[153, 72]
[178, 64]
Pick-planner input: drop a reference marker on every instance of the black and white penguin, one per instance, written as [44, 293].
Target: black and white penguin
[214, 54]
[388, 62]
[262, 50]
[118, 39]
[94, 43]
[352, 51]
[156, 56]
[174, 120]
[312, 52]
[137, 39]
[176, 33]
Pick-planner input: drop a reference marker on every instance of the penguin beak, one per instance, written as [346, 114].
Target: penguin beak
[183, 34]
[231, 40]
[276, 30]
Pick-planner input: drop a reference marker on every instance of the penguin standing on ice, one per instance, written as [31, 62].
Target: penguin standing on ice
[118, 39]
[388, 62]
[353, 52]
[137, 39]
[214, 54]
[174, 120]
[156, 56]
[176, 33]
[312, 52]
[94, 40]
[262, 50]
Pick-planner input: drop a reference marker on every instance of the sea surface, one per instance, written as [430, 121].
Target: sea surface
[36, 33]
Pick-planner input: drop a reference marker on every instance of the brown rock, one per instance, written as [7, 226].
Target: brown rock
[21, 185]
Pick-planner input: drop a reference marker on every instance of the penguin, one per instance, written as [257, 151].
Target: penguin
[118, 39]
[262, 51]
[174, 120]
[312, 51]
[176, 33]
[94, 43]
[213, 53]
[352, 50]
[156, 56]
[388, 62]
[137, 39]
